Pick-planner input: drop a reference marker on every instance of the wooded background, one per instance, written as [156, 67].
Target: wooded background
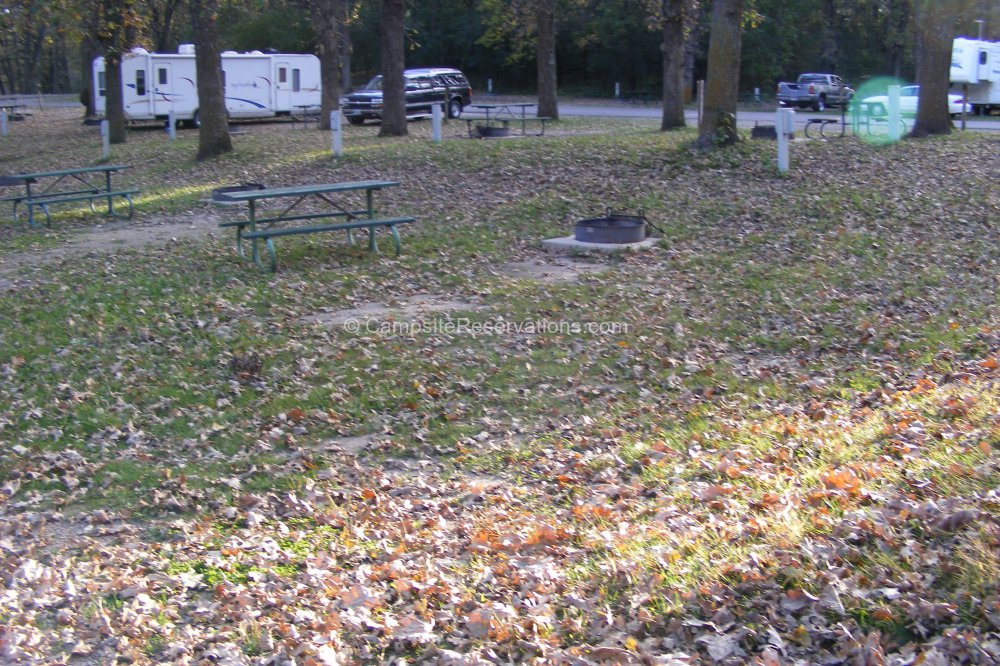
[47, 46]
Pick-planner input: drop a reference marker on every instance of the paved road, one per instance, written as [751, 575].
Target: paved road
[743, 118]
[600, 108]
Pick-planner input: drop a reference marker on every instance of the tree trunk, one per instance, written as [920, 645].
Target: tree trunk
[393, 64]
[328, 20]
[934, 29]
[673, 64]
[718, 122]
[213, 134]
[548, 101]
[114, 113]
[345, 55]
[88, 51]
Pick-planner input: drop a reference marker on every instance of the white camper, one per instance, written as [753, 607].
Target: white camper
[257, 85]
[976, 63]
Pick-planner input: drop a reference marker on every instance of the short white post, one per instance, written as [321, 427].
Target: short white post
[436, 123]
[756, 95]
[618, 90]
[105, 139]
[894, 115]
[784, 126]
[3, 122]
[338, 133]
[489, 86]
[172, 125]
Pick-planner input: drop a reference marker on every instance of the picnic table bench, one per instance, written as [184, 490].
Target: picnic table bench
[822, 123]
[89, 187]
[258, 225]
[497, 119]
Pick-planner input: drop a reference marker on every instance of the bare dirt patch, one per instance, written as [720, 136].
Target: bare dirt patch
[407, 309]
[110, 237]
[554, 271]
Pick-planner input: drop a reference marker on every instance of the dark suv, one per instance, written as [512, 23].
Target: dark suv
[424, 88]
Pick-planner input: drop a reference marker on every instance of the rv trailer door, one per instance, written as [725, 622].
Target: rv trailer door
[283, 87]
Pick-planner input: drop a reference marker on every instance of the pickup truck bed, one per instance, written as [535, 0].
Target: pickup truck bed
[816, 91]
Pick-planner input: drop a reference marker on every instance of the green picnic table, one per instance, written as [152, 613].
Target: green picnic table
[327, 197]
[52, 189]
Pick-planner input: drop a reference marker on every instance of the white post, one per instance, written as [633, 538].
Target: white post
[756, 95]
[701, 100]
[338, 133]
[894, 116]
[172, 125]
[784, 125]
[489, 86]
[436, 123]
[3, 122]
[105, 139]
[618, 90]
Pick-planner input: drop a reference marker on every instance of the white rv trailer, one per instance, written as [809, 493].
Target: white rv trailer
[976, 63]
[257, 85]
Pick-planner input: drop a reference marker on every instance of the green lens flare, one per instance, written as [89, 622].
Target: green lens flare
[869, 111]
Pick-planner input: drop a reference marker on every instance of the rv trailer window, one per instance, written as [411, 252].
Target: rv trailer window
[282, 75]
[140, 82]
[296, 80]
[101, 85]
[162, 76]
[982, 57]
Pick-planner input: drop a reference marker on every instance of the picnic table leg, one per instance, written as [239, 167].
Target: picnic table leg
[370, 201]
[107, 187]
[253, 227]
[395, 239]
[239, 242]
[31, 209]
[269, 243]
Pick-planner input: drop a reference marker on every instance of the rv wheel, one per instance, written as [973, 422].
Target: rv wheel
[196, 120]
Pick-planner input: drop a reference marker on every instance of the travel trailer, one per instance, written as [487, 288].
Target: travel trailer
[976, 63]
[257, 85]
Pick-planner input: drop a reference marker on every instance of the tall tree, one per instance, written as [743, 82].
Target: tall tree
[213, 131]
[545, 55]
[117, 23]
[393, 65]
[935, 28]
[329, 20]
[526, 23]
[718, 121]
[673, 19]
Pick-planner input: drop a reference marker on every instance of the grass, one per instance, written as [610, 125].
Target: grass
[804, 384]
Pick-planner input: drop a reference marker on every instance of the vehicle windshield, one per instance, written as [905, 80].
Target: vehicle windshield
[374, 84]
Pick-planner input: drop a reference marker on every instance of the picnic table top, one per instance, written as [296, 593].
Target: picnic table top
[500, 105]
[301, 190]
[66, 172]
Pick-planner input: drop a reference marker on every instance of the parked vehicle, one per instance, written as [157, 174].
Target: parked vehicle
[424, 88]
[976, 63]
[817, 91]
[909, 97]
[257, 84]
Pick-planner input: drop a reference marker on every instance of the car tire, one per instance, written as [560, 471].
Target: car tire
[355, 120]
[877, 109]
[820, 104]
[454, 109]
